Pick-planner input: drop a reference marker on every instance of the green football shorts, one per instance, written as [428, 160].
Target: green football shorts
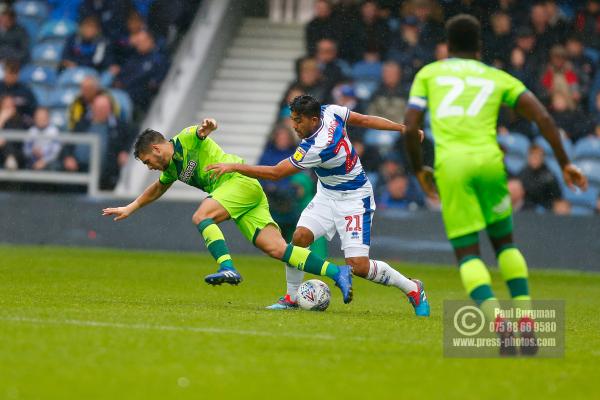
[473, 191]
[246, 203]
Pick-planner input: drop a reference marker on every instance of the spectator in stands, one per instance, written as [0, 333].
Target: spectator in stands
[143, 73]
[322, 26]
[517, 194]
[498, 40]
[368, 69]
[560, 77]
[80, 109]
[163, 17]
[399, 194]
[11, 153]
[345, 96]
[518, 68]
[587, 23]
[369, 158]
[20, 92]
[42, 150]
[557, 21]
[430, 23]
[441, 51]
[526, 41]
[405, 48]
[389, 100]
[583, 66]
[14, 40]
[112, 15]
[115, 141]
[573, 121]
[561, 207]
[541, 186]
[122, 46]
[311, 81]
[332, 68]
[88, 48]
[284, 109]
[371, 31]
[545, 36]
[388, 168]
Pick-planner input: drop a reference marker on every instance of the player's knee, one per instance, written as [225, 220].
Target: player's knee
[302, 237]
[360, 265]
[198, 217]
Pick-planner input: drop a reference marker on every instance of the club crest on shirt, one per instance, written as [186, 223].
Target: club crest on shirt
[299, 154]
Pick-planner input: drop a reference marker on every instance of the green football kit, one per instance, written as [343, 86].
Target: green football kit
[464, 97]
[242, 197]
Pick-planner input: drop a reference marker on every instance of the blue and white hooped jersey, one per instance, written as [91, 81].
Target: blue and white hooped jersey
[330, 154]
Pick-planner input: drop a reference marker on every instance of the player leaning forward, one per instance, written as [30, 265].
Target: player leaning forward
[235, 196]
[463, 97]
[344, 200]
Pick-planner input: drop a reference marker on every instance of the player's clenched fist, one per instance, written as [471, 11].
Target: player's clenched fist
[208, 125]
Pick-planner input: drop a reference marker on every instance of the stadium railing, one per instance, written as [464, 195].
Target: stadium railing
[89, 178]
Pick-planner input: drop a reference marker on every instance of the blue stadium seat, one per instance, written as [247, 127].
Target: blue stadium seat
[56, 29]
[62, 97]
[38, 74]
[567, 145]
[32, 26]
[365, 88]
[31, 9]
[582, 203]
[587, 148]
[58, 117]
[515, 148]
[72, 77]
[106, 79]
[591, 169]
[42, 93]
[47, 53]
[124, 102]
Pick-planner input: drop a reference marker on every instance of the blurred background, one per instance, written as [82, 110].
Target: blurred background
[80, 78]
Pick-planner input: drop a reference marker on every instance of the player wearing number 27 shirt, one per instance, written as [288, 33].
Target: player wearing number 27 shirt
[344, 201]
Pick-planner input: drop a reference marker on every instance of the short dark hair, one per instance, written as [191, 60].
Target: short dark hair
[464, 34]
[145, 140]
[306, 105]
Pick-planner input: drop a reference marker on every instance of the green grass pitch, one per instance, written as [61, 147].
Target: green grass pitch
[86, 324]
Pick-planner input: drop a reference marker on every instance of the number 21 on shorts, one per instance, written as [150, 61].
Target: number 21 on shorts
[353, 223]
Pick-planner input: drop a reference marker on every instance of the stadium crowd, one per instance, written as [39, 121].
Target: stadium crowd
[364, 55]
[90, 66]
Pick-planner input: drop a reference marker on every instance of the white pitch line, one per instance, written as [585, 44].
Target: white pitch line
[194, 329]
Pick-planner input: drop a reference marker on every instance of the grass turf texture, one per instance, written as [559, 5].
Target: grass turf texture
[84, 324]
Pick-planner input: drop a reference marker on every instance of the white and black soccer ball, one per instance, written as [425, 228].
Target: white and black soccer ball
[314, 295]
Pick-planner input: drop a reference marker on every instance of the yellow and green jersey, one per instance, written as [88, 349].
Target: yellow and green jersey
[463, 97]
[191, 155]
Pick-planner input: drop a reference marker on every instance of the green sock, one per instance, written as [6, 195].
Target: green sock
[305, 260]
[215, 242]
[513, 268]
[477, 282]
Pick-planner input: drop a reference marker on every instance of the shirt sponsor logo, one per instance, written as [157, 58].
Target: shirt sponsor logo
[187, 173]
[299, 154]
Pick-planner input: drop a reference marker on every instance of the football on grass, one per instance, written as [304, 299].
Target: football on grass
[314, 295]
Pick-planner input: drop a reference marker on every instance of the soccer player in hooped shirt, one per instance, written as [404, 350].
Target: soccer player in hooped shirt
[344, 201]
[463, 97]
[234, 196]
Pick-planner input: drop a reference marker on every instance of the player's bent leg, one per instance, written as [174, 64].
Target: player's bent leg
[206, 218]
[513, 269]
[382, 273]
[272, 243]
[302, 237]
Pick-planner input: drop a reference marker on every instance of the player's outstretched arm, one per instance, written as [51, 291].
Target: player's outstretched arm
[530, 107]
[207, 126]
[272, 173]
[379, 123]
[152, 192]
